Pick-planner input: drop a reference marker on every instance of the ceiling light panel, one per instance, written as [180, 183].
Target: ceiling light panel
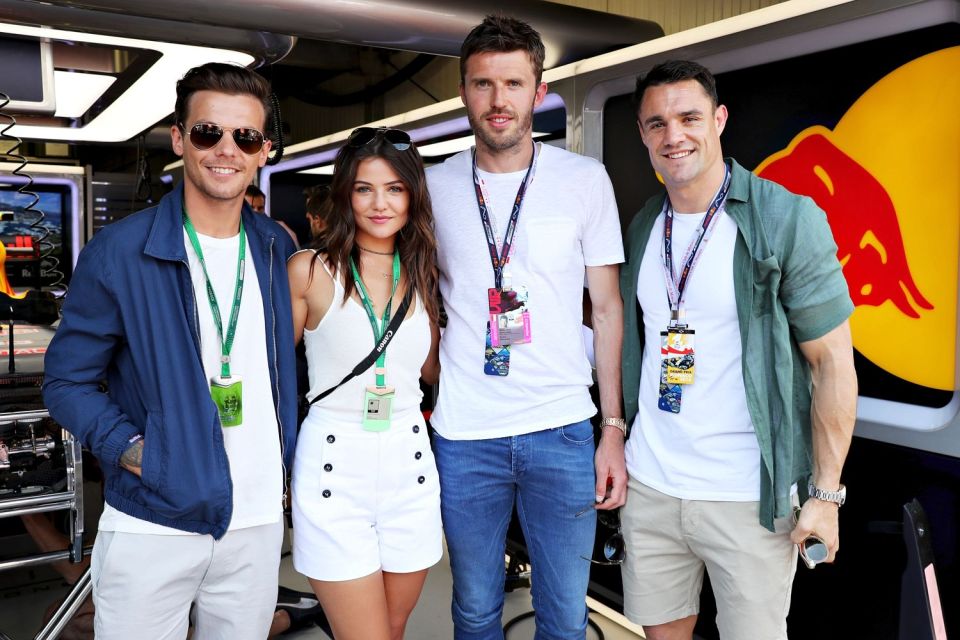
[76, 92]
[148, 100]
[325, 170]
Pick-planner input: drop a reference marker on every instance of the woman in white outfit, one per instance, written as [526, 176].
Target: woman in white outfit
[366, 499]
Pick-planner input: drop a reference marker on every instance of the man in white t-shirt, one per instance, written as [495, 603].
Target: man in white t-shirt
[183, 310]
[735, 303]
[517, 226]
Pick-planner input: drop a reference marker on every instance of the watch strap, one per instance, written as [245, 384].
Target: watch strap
[618, 423]
[838, 497]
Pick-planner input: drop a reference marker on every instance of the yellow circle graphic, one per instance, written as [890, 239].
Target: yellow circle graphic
[888, 177]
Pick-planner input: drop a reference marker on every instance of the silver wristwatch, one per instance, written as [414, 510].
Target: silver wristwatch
[618, 423]
[839, 496]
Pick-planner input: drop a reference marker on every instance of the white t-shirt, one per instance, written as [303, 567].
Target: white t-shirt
[709, 450]
[253, 447]
[568, 221]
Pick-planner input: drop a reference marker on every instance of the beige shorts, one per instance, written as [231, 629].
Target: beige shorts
[669, 543]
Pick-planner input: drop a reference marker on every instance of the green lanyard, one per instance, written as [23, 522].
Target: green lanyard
[378, 329]
[225, 345]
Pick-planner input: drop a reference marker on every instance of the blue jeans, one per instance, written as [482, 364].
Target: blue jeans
[550, 476]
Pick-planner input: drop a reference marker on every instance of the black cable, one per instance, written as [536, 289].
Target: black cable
[44, 246]
[12, 362]
[414, 82]
[593, 625]
[517, 560]
[277, 130]
[143, 190]
[520, 618]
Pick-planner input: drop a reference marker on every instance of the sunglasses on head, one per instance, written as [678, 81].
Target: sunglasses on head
[206, 135]
[400, 140]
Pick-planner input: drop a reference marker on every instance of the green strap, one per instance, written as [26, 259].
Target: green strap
[378, 329]
[225, 345]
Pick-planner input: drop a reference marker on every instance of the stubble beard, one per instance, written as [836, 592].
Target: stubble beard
[499, 144]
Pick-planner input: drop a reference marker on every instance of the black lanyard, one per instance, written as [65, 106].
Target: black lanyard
[500, 258]
[676, 289]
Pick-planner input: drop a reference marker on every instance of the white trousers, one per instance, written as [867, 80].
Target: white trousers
[143, 585]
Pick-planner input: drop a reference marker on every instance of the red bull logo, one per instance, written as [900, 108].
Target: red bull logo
[861, 215]
[894, 211]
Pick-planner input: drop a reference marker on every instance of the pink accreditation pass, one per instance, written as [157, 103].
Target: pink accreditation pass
[509, 316]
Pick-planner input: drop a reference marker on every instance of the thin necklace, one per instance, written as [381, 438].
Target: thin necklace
[379, 253]
[382, 272]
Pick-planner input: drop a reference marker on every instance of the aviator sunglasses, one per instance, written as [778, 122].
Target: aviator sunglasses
[614, 549]
[206, 135]
[400, 140]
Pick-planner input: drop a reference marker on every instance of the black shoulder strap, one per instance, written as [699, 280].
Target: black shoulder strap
[391, 331]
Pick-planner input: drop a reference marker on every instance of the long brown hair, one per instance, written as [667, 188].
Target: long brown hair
[415, 241]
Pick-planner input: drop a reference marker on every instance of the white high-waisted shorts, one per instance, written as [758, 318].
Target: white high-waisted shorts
[364, 501]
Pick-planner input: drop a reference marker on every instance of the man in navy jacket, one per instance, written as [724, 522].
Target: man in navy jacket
[174, 365]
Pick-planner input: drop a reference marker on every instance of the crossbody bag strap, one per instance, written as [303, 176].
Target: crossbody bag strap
[366, 363]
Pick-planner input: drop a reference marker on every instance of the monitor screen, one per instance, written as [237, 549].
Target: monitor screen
[37, 246]
[26, 76]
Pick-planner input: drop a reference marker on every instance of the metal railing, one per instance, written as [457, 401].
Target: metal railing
[69, 498]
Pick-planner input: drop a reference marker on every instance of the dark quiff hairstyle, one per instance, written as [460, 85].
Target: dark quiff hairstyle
[415, 241]
[502, 34]
[231, 79]
[673, 71]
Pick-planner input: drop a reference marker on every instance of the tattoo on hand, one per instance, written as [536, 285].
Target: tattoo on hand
[133, 456]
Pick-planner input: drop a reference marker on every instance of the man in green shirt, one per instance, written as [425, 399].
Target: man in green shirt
[749, 403]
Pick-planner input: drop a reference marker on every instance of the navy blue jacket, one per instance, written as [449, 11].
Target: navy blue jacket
[130, 320]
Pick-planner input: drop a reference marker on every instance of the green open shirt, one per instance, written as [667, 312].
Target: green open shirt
[790, 289]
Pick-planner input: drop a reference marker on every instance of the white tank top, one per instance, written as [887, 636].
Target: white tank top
[343, 338]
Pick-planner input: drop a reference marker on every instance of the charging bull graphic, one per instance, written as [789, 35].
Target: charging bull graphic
[888, 177]
[861, 215]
